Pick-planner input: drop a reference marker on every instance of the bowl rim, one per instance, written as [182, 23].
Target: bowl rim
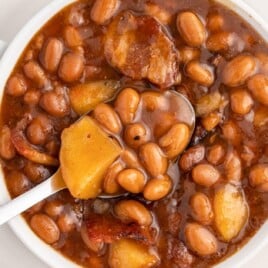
[18, 225]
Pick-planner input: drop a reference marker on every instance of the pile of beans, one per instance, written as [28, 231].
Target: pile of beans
[194, 193]
[150, 148]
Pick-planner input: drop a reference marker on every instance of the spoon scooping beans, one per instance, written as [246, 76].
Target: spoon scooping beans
[90, 147]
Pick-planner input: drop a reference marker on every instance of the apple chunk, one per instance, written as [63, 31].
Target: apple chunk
[86, 153]
[231, 211]
[132, 254]
[86, 97]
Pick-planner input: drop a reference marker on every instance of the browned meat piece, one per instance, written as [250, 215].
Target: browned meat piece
[179, 254]
[140, 48]
[107, 229]
[174, 253]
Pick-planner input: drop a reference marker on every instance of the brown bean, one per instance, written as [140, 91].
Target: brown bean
[165, 121]
[221, 41]
[210, 121]
[32, 97]
[54, 208]
[238, 70]
[103, 10]
[231, 132]
[153, 159]
[200, 73]
[56, 102]
[135, 135]
[215, 22]
[258, 86]
[131, 210]
[34, 72]
[158, 188]
[126, 104]
[175, 140]
[241, 101]
[38, 130]
[200, 239]
[36, 172]
[191, 29]
[110, 184]
[16, 86]
[107, 117]
[45, 228]
[188, 54]
[36, 208]
[130, 159]
[205, 175]
[215, 154]
[258, 177]
[191, 157]
[35, 133]
[233, 167]
[66, 223]
[201, 208]
[131, 180]
[152, 100]
[51, 54]
[7, 149]
[72, 37]
[17, 182]
[260, 116]
[71, 67]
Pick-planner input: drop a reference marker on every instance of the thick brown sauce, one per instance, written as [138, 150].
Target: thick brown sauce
[165, 211]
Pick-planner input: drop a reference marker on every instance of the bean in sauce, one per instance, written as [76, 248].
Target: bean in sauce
[149, 49]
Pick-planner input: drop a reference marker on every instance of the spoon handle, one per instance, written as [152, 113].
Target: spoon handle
[31, 197]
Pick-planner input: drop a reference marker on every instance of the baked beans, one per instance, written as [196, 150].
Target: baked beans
[187, 191]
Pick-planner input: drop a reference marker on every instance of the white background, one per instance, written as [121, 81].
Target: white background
[13, 15]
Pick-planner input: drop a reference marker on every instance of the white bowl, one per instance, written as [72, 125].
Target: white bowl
[7, 63]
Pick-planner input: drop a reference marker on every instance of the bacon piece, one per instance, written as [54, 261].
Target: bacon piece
[108, 229]
[179, 254]
[28, 150]
[140, 48]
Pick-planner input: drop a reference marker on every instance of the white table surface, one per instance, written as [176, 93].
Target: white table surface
[13, 254]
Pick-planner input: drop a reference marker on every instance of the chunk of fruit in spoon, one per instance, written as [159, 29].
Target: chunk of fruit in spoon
[85, 155]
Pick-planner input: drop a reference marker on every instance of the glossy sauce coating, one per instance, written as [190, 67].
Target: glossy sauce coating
[220, 65]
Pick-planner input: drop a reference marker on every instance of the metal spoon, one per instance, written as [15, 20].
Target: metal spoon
[55, 183]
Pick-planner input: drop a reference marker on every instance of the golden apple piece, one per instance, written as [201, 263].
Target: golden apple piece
[131, 254]
[231, 211]
[86, 97]
[85, 155]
